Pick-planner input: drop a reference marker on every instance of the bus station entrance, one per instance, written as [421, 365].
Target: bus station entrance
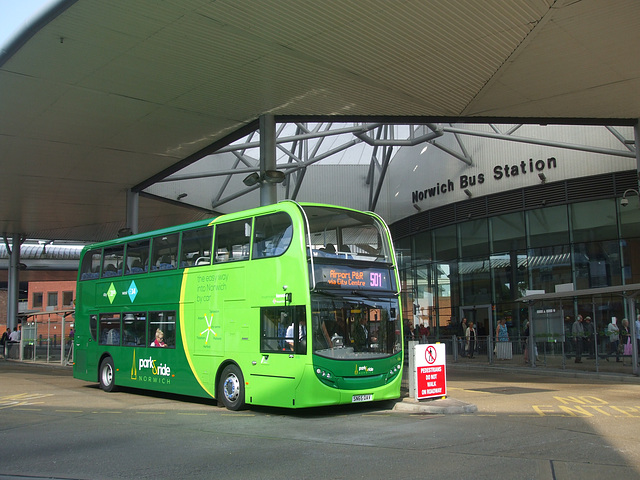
[481, 317]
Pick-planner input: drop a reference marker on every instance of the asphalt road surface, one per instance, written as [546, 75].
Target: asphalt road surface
[526, 426]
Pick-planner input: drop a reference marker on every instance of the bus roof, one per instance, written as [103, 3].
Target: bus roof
[283, 205]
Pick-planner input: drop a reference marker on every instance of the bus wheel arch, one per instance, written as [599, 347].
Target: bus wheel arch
[230, 387]
[107, 374]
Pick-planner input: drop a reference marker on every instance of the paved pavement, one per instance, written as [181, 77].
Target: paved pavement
[547, 367]
[527, 423]
[553, 366]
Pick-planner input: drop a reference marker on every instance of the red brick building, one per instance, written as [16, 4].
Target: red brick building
[47, 282]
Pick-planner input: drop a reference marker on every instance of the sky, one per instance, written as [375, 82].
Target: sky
[15, 15]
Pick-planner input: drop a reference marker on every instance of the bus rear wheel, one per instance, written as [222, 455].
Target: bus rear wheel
[231, 388]
[107, 375]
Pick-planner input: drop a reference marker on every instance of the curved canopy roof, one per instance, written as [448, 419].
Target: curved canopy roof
[100, 97]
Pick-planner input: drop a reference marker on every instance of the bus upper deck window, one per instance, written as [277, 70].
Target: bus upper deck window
[272, 235]
[164, 252]
[137, 257]
[232, 241]
[112, 261]
[196, 247]
[90, 267]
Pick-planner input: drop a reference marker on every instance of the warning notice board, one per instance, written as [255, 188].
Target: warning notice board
[430, 361]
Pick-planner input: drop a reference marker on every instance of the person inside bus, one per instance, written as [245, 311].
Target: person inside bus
[302, 335]
[345, 251]
[329, 250]
[289, 336]
[361, 336]
[112, 337]
[159, 340]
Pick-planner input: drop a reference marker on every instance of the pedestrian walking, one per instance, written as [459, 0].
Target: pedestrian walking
[471, 340]
[577, 331]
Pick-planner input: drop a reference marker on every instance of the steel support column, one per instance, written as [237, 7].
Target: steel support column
[636, 135]
[268, 191]
[13, 284]
[133, 199]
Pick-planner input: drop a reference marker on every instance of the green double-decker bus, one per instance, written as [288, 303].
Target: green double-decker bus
[289, 305]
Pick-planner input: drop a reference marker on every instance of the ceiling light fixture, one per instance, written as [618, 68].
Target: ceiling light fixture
[270, 176]
[274, 176]
[624, 201]
[251, 179]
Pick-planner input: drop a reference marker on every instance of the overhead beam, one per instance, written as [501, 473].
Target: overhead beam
[537, 141]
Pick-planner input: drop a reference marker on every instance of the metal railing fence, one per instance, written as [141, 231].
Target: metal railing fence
[44, 337]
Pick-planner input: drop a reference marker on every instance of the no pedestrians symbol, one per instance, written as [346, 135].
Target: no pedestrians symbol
[430, 354]
[431, 371]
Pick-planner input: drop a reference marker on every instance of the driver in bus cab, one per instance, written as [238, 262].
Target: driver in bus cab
[361, 336]
[159, 340]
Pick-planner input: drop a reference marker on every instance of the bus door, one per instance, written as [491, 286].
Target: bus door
[85, 361]
[277, 368]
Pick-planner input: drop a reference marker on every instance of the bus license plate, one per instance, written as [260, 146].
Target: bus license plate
[362, 398]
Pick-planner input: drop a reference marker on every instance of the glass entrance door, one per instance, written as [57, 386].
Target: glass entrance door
[480, 315]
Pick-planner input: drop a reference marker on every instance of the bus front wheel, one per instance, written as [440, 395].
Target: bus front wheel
[107, 375]
[231, 388]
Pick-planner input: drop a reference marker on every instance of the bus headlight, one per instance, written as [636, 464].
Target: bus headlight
[325, 376]
[393, 371]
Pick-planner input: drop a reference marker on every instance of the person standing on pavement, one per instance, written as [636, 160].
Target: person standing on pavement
[411, 335]
[614, 339]
[625, 337]
[526, 349]
[502, 341]
[424, 333]
[638, 335]
[589, 332]
[15, 336]
[577, 331]
[471, 341]
[3, 342]
[462, 334]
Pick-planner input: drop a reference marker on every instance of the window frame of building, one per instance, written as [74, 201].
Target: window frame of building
[37, 299]
[52, 296]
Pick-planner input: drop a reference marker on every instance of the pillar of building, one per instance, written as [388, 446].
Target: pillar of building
[268, 190]
[636, 135]
[13, 281]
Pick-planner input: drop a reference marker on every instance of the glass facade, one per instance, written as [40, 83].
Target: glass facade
[485, 265]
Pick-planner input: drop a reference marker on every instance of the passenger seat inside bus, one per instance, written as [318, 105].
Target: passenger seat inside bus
[136, 266]
[165, 263]
[109, 271]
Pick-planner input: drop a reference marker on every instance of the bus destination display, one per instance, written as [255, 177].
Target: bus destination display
[353, 278]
